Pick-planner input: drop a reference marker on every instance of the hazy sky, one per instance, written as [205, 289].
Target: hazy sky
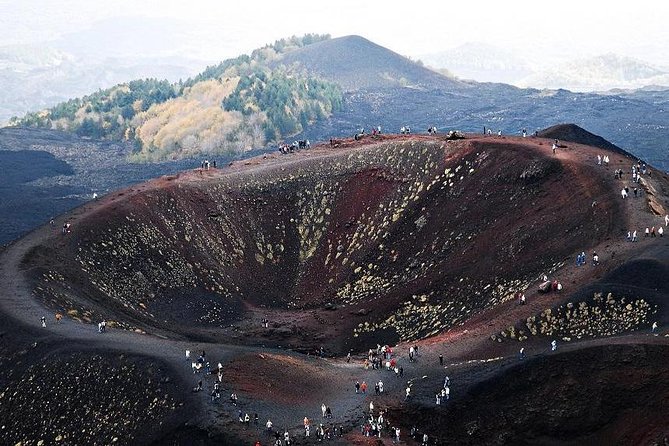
[214, 30]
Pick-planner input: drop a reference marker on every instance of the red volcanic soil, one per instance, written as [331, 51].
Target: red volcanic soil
[398, 240]
[457, 224]
[279, 379]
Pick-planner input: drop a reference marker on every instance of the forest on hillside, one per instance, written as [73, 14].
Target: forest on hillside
[231, 107]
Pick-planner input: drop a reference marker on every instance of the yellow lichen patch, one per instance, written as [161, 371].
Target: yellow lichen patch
[597, 317]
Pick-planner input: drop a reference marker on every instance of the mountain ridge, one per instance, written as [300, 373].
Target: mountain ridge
[408, 95]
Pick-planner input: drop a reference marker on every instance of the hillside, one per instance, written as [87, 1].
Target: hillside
[395, 239]
[225, 109]
[316, 248]
[355, 63]
[574, 133]
[233, 107]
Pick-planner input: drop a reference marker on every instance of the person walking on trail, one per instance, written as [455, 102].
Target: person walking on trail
[441, 359]
[408, 393]
[660, 231]
[43, 321]
[553, 345]
[654, 328]
[323, 409]
[521, 354]
[187, 355]
[357, 387]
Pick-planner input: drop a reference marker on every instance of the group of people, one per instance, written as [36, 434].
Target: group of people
[277, 436]
[326, 411]
[295, 145]
[444, 394]
[205, 164]
[582, 260]
[649, 232]
[375, 425]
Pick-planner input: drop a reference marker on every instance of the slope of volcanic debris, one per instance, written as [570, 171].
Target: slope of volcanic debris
[416, 234]
[614, 394]
[397, 240]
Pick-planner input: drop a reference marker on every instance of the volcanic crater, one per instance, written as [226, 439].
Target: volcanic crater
[392, 240]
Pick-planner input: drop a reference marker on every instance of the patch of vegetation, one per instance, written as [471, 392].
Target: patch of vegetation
[290, 103]
[597, 317]
[105, 113]
[258, 56]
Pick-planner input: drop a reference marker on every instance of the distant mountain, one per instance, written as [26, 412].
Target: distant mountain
[487, 63]
[355, 63]
[599, 73]
[480, 62]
